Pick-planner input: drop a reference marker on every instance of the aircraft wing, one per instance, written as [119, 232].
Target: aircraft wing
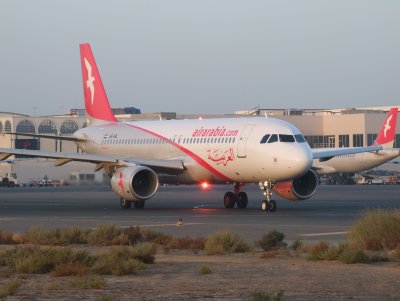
[324, 154]
[164, 166]
[48, 136]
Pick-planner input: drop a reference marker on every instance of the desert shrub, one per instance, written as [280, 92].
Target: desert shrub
[326, 251]
[224, 242]
[134, 235]
[205, 270]
[376, 230]
[55, 237]
[397, 252]
[271, 240]
[6, 238]
[144, 252]
[350, 256]
[153, 236]
[10, 287]
[87, 282]
[74, 269]
[263, 296]
[38, 260]
[186, 243]
[107, 235]
[119, 261]
[74, 236]
[296, 245]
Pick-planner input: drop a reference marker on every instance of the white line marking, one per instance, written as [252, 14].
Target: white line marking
[323, 234]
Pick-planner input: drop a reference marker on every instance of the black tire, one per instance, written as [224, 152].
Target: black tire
[125, 204]
[264, 206]
[242, 200]
[272, 206]
[138, 204]
[11, 184]
[229, 199]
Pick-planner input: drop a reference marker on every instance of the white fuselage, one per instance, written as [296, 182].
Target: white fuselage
[216, 150]
[355, 162]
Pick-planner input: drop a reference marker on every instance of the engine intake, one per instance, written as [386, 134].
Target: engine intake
[135, 183]
[298, 189]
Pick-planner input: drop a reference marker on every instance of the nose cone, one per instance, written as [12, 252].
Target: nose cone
[300, 160]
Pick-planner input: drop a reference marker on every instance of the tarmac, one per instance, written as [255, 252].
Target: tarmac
[326, 216]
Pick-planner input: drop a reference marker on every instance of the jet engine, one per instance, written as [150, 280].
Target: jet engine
[298, 189]
[135, 183]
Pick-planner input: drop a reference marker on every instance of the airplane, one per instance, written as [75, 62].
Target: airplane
[138, 155]
[352, 163]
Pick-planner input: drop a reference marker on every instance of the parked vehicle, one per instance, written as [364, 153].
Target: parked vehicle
[10, 180]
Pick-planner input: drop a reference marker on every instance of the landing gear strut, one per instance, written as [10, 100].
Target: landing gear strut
[238, 197]
[268, 204]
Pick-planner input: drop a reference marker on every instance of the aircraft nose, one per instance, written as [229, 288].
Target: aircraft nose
[301, 160]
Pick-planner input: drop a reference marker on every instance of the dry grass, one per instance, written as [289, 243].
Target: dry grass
[121, 261]
[10, 287]
[271, 241]
[376, 230]
[205, 270]
[224, 242]
[107, 235]
[87, 282]
[74, 269]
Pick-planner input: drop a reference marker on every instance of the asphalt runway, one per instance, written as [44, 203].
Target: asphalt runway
[326, 216]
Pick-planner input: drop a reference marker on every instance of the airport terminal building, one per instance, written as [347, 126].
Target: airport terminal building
[321, 128]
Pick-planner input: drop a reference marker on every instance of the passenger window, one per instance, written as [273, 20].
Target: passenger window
[274, 138]
[299, 138]
[286, 138]
[265, 139]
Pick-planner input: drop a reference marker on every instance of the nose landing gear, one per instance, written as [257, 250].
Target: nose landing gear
[268, 204]
[238, 197]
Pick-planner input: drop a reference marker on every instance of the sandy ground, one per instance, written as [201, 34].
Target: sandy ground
[176, 276]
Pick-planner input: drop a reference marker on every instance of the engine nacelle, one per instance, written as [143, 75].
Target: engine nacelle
[135, 183]
[298, 189]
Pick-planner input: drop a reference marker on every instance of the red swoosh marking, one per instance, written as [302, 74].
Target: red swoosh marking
[195, 157]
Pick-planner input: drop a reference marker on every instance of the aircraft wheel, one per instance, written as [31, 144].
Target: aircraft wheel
[125, 204]
[272, 206]
[229, 199]
[241, 200]
[264, 206]
[138, 204]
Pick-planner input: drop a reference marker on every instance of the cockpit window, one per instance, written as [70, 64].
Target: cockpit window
[265, 139]
[286, 138]
[299, 138]
[273, 138]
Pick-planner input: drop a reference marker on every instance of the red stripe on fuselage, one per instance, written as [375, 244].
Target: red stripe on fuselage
[195, 157]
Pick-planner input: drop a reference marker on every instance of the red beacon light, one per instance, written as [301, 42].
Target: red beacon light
[205, 185]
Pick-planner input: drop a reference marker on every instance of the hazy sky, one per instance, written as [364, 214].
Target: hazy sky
[206, 56]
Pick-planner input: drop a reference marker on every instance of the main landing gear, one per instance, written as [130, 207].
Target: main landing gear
[238, 197]
[125, 204]
[268, 204]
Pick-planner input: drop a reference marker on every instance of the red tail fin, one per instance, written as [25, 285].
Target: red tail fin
[388, 130]
[96, 102]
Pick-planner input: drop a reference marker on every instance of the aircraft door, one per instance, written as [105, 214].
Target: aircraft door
[241, 146]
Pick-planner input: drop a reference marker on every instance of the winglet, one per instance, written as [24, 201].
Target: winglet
[96, 102]
[388, 130]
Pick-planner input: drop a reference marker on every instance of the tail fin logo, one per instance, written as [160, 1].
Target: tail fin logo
[387, 125]
[90, 80]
